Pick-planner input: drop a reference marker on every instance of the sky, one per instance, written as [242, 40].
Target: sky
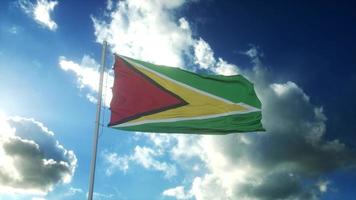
[299, 55]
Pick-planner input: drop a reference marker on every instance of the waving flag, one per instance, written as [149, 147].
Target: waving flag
[153, 98]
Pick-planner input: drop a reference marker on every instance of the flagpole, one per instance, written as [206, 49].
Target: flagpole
[97, 123]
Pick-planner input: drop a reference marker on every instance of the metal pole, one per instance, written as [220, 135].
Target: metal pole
[97, 124]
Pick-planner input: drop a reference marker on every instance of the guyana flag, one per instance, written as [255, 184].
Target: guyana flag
[160, 99]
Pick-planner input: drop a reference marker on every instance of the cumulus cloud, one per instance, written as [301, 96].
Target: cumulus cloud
[40, 12]
[87, 76]
[205, 59]
[149, 31]
[143, 156]
[31, 160]
[146, 30]
[204, 55]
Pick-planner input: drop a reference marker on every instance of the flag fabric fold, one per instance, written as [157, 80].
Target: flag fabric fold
[160, 99]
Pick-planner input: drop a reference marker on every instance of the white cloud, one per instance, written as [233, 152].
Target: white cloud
[145, 30]
[31, 160]
[143, 156]
[109, 5]
[209, 187]
[87, 71]
[204, 58]
[91, 98]
[224, 68]
[88, 77]
[146, 157]
[204, 55]
[177, 192]
[115, 162]
[40, 12]
[285, 88]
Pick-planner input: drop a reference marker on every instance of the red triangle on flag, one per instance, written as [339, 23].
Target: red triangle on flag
[136, 95]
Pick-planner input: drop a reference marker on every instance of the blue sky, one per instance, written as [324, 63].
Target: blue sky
[300, 56]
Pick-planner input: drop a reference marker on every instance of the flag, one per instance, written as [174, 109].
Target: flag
[154, 98]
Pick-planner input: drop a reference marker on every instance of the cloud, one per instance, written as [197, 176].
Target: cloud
[177, 192]
[252, 52]
[143, 156]
[88, 77]
[32, 161]
[101, 196]
[145, 30]
[73, 191]
[149, 31]
[224, 68]
[109, 5]
[204, 55]
[40, 12]
[204, 58]
[115, 162]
